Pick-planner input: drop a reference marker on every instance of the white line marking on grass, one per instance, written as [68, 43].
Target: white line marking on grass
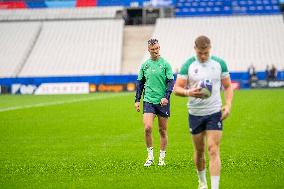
[62, 102]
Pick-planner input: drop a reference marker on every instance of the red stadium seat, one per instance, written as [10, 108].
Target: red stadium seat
[86, 3]
[13, 5]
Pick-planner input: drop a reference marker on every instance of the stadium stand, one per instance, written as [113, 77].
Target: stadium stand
[33, 4]
[86, 3]
[134, 47]
[16, 42]
[255, 7]
[240, 40]
[59, 3]
[225, 7]
[59, 13]
[12, 5]
[76, 48]
[45, 40]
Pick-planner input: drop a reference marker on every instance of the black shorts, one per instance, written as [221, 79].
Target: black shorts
[157, 109]
[198, 124]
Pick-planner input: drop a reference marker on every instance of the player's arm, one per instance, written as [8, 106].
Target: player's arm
[170, 85]
[228, 93]
[139, 89]
[181, 90]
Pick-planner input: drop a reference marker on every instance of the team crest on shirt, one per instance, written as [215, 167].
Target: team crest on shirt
[146, 67]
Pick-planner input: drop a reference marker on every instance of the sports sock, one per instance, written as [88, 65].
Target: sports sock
[162, 154]
[150, 152]
[202, 176]
[215, 182]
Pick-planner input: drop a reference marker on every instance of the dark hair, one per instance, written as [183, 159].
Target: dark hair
[202, 42]
[153, 41]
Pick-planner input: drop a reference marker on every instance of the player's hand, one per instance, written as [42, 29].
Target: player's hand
[164, 102]
[137, 106]
[225, 111]
[194, 92]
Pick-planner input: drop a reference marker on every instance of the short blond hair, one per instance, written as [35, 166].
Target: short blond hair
[202, 42]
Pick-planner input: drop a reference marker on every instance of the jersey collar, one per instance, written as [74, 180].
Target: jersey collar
[204, 63]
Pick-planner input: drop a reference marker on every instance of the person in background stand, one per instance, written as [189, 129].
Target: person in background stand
[273, 73]
[252, 74]
[267, 73]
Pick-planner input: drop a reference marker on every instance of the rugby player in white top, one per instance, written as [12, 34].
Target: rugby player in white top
[205, 114]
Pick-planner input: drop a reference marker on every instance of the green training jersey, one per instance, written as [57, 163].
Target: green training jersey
[193, 71]
[155, 74]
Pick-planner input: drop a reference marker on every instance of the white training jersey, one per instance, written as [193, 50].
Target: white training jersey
[214, 69]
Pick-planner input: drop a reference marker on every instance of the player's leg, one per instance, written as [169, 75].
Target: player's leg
[163, 123]
[197, 129]
[199, 150]
[214, 135]
[199, 158]
[213, 140]
[163, 113]
[148, 119]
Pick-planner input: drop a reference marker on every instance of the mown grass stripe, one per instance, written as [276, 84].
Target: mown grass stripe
[62, 102]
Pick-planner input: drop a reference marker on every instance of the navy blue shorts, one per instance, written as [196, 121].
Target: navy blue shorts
[157, 109]
[199, 124]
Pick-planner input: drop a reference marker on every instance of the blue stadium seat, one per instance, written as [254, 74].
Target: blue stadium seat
[60, 3]
[226, 7]
[36, 4]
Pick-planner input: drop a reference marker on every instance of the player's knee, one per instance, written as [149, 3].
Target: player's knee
[213, 150]
[148, 130]
[163, 132]
[200, 152]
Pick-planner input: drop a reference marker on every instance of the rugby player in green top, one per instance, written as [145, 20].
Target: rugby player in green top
[155, 81]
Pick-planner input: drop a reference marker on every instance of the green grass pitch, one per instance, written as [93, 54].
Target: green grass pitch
[96, 141]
